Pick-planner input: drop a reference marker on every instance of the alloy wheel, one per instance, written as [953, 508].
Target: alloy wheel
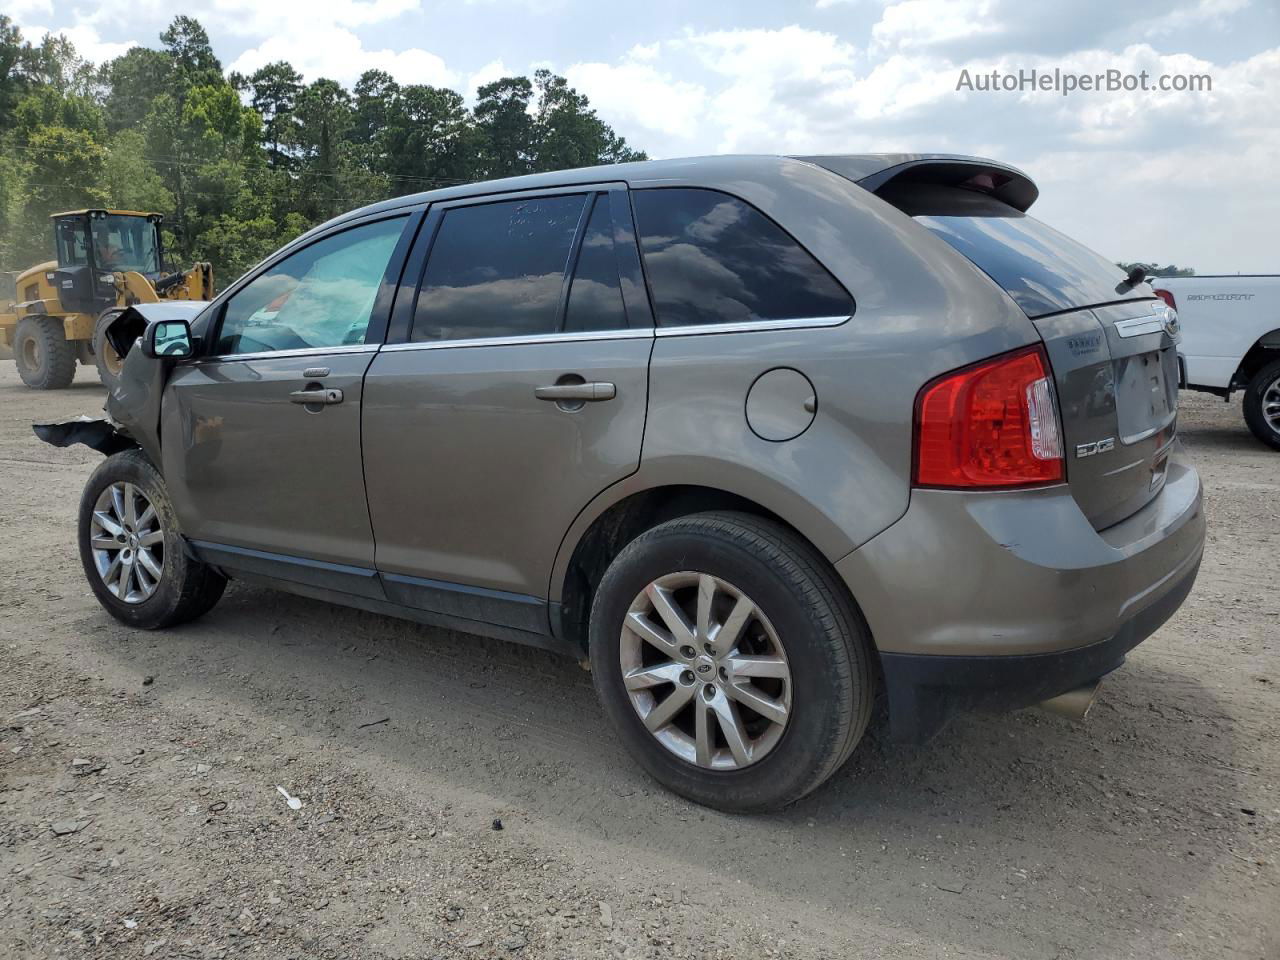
[1271, 405]
[127, 541]
[705, 671]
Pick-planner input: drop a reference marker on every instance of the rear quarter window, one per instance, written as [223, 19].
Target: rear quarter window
[713, 259]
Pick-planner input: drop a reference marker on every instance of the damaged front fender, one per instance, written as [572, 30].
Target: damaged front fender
[133, 406]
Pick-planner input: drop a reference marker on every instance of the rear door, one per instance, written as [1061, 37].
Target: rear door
[1113, 356]
[516, 392]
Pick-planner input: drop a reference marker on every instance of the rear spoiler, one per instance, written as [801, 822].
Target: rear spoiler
[877, 171]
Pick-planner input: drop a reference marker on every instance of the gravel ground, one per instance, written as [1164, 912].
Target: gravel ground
[140, 815]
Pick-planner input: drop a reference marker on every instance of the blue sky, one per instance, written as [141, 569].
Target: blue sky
[1183, 177]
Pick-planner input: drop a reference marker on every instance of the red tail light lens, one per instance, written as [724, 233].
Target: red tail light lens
[1167, 297]
[994, 424]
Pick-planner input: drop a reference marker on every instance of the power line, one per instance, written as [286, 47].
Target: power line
[162, 161]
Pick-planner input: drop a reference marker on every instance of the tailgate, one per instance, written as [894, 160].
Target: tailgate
[1116, 371]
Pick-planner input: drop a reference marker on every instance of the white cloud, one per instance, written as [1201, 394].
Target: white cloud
[338, 54]
[1212, 12]
[632, 94]
[84, 38]
[20, 10]
[644, 52]
[931, 23]
[279, 18]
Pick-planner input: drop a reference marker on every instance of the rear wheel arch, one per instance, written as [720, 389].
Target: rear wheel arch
[621, 522]
[1264, 351]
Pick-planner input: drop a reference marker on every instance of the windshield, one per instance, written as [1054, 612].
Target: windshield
[125, 243]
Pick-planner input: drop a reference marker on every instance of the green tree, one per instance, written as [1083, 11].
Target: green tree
[187, 44]
[164, 129]
[428, 140]
[55, 63]
[275, 90]
[504, 127]
[132, 81]
[13, 78]
[66, 176]
[373, 94]
[205, 146]
[568, 133]
[129, 179]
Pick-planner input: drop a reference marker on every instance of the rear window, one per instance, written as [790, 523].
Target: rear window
[712, 259]
[1043, 270]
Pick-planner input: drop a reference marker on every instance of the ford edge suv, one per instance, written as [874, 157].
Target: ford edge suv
[763, 437]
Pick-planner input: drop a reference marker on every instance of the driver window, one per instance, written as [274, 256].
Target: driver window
[321, 296]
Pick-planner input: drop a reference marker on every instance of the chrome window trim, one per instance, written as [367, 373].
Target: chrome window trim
[297, 352]
[646, 333]
[750, 326]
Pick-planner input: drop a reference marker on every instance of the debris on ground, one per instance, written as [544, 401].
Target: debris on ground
[293, 802]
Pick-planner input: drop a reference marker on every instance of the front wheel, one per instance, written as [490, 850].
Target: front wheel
[133, 555]
[1262, 405]
[731, 660]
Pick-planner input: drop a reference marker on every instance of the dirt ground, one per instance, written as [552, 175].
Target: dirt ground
[140, 817]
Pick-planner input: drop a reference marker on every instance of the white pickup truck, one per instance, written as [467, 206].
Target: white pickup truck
[1231, 341]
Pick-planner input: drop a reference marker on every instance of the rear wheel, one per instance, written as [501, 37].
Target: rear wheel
[45, 360]
[1262, 405]
[105, 357]
[132, 552]
[730, 659]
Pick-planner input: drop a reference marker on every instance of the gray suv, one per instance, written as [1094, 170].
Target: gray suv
[763, 437]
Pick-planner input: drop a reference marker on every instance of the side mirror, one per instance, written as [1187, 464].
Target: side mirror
[170, 339]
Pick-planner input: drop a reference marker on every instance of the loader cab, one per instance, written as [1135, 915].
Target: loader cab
[93, 245]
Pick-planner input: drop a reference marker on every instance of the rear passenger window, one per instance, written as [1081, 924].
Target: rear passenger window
[711, 258]
[497, 269]
[595, 297]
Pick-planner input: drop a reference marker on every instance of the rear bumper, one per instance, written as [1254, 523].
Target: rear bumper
[925, 691]
[1001, 600]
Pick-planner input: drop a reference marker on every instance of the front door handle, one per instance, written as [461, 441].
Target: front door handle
[590, 392]
[323, 395]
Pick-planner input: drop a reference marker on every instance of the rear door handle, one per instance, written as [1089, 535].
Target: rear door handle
[590, 392]
[324, 395]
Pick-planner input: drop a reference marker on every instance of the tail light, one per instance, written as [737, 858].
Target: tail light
[993, 424]
[1167, 297]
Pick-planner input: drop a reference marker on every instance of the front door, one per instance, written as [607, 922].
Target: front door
[518, 394]
[261, 438]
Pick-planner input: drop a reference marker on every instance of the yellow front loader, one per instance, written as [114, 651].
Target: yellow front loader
[107, 260]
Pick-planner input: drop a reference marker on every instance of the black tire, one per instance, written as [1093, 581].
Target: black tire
[1261, 397]
[45, 359]
[827, 645]
[186, 588]
[105, 357]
